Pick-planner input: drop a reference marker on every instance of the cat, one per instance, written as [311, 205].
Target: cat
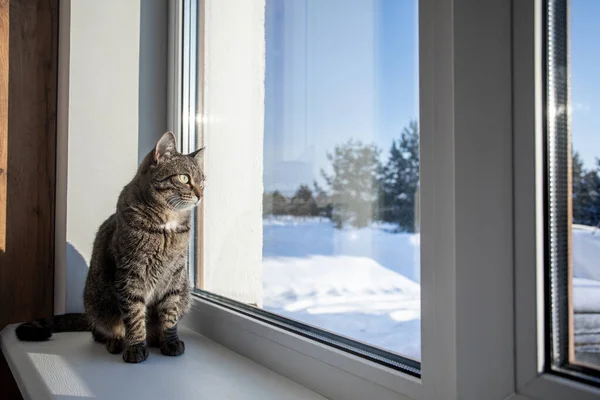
[137, 287]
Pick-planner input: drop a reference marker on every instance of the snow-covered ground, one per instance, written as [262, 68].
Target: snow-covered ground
[363, 283]
[586, 269]
[586, 294]
[360, 283]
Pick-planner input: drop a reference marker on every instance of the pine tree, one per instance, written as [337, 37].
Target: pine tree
[353, 183]
[267, 204]
[274, 203]
[303, 203]
[591, 200]
[400, 179]
[585, 192]
[323, 200]
[579, 194]
[280, 203]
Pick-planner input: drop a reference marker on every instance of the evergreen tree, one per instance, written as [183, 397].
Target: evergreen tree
[590, 204]
[303, 203]
[274, 203]
[579, 194]
[353, 183]
[324, 206]
[400, 180]
[585, 192]
[280, 203]
[267, 204]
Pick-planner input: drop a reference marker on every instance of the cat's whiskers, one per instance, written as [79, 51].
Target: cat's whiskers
[174, 202]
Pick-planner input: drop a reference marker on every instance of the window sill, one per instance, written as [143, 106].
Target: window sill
[71, 365]
[335, 374]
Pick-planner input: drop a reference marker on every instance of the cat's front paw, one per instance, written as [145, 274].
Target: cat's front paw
[173, 348]
[115, 346]
[135, 353]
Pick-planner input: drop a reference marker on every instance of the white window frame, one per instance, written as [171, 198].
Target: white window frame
[482, 294]
[532, 380]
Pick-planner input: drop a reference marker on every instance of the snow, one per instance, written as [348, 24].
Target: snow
[364, 283]
[586, 252]
[359, 283]
[586, 269]
[586, 295]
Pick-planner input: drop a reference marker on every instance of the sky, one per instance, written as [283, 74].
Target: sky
[585, 79]
[348, 69]
[335, 70]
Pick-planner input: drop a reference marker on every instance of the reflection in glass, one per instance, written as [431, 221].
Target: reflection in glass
[584, 34]
[341, 244]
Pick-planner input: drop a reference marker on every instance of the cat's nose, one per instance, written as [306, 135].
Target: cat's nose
[198, 192]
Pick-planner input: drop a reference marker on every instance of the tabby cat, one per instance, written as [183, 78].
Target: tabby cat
[137, 286]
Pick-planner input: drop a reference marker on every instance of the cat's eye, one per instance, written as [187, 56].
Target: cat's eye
[184, 179]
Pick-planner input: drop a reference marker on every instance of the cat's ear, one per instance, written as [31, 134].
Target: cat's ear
[166, 146]
[199, 156]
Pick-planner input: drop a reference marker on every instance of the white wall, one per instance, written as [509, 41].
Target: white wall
[106, 120]
[233, 135]
[112, 99]
[153, 62]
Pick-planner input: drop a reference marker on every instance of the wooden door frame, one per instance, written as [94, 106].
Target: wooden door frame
[28, 89]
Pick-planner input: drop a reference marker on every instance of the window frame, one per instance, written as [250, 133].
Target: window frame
[457, 40]
[533, 376]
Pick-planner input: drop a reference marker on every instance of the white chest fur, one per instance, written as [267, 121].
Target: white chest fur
[170, 226]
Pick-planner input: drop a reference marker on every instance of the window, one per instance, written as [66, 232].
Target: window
[339, 174]
[341, 169]
[586, 182]
[412, 262]
[573, 185]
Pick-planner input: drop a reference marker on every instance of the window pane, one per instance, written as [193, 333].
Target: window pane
[584, 34]
[341, 169]
[573, 186]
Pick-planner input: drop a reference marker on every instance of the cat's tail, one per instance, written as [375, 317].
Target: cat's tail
[41, 329]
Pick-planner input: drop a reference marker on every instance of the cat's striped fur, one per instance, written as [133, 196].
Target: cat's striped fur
[137, 286]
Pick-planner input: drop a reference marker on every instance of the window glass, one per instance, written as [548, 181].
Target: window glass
[572, 186]
[584, 36]
[341, 246]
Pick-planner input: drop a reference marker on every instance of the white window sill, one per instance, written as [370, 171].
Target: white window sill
[71, 365]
